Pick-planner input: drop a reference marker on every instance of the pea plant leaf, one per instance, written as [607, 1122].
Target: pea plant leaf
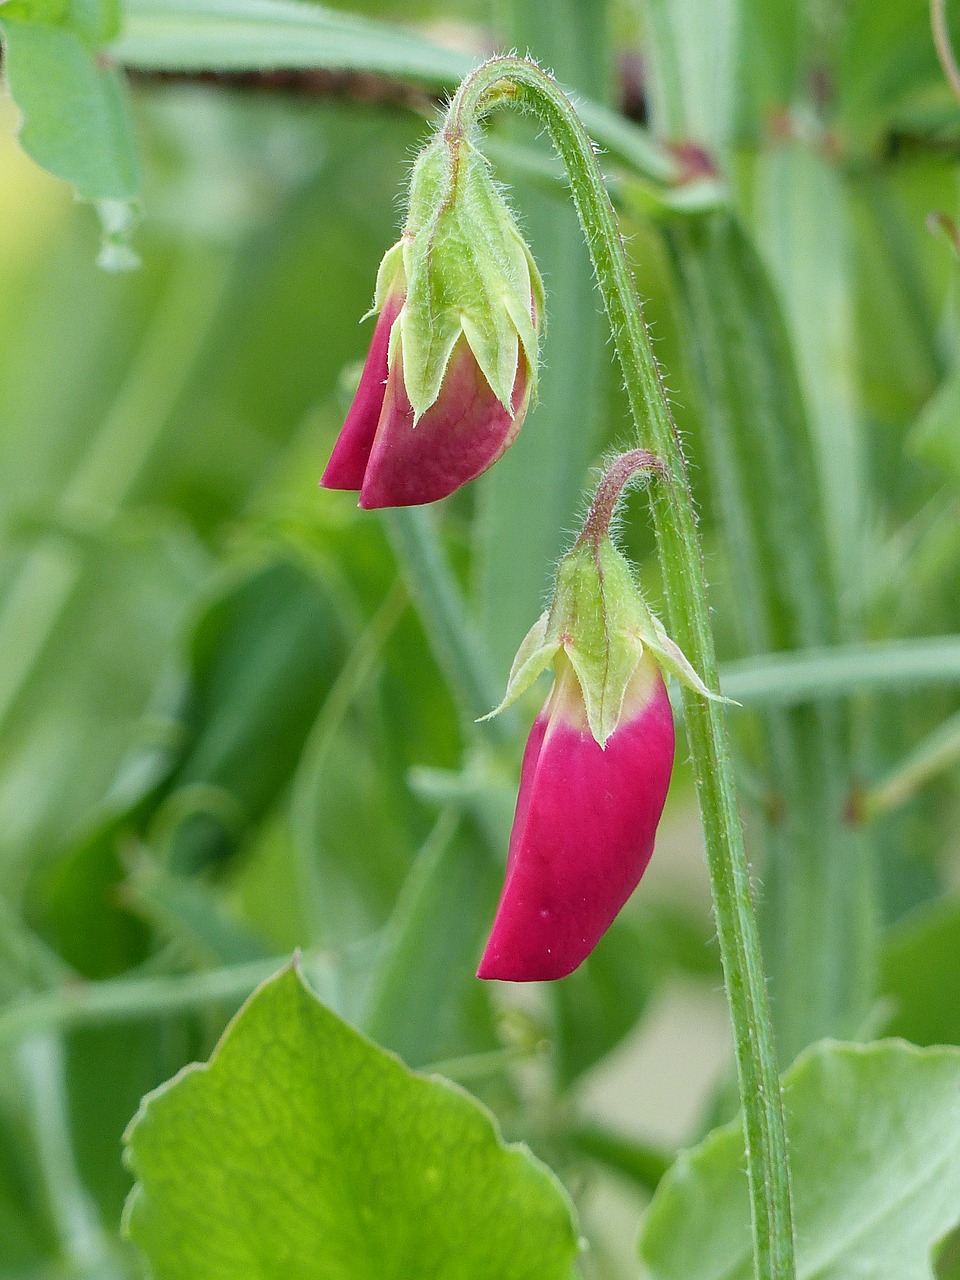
[75, 116]
[303, 1150]
[875, 1153]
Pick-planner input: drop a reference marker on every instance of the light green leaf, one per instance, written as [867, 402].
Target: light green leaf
[75, 118]
[875, 1153]
[304, 1150]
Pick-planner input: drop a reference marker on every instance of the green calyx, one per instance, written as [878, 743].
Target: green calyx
[468, 273]
[601, 622]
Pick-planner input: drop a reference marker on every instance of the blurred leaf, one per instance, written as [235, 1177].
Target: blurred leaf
[238, 35]
[694, 48]
[425, 1003]
[227, 35]
[936, 436]
[262, 658]
[298, 1110]
[887, 74]
[190, 914]
[598, 1004]
[920, 975]
[83, 693]
[875, 1157]
[802, 223]
[76, 120]
[766, 486]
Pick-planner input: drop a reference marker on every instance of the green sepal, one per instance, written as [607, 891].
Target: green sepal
[602, 623]
[536, 652]
[389, 278]
[468, 272]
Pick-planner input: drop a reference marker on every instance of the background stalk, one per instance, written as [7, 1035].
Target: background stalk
[523, 83]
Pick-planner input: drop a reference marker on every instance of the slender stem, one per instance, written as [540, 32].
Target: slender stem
[793, 676]
[615, 479]
[937, 753]
[138, 999]
[941, 38]
[521, 82]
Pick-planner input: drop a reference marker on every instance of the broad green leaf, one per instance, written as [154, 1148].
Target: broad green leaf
[304, 1147]
[874, 1136]
[920, 975]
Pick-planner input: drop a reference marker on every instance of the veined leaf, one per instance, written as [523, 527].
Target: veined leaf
[304, 1150]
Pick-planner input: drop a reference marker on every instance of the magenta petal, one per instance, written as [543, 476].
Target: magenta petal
[582, 837]
[348, 462]
[462, 434]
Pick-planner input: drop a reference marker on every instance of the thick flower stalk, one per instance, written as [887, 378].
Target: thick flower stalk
[452, 364]
[597, 764]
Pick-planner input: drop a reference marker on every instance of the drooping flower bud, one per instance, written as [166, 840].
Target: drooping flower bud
[453, 361]
[598, 760]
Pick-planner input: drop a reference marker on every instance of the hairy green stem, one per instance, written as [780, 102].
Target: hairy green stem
[522, 83]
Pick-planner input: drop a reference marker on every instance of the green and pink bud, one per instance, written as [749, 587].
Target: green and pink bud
[452, 364]
[597, 764]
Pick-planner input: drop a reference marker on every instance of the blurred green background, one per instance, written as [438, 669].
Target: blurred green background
[229, 725]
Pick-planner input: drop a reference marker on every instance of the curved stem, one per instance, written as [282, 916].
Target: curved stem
[941, 38]
[523, 83]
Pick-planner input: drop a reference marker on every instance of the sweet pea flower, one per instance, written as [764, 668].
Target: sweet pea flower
[584, 829]
[597, 764]
[453, 361]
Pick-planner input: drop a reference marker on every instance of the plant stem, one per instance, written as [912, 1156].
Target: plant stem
[941, 39]
[524, 84]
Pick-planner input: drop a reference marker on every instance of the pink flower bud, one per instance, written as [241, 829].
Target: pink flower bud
[394, 462]
[584, 828]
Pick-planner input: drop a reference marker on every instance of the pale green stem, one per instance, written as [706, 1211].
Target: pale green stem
[137, 999]
[938, 752]
[83, 1241]
[522, 83]
[944, 46]
[810, 675]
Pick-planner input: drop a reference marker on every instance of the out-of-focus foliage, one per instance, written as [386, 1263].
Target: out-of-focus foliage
[230, 726]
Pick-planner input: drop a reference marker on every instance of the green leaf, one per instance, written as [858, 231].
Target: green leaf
[875, 1153]
[920, 975]
[424, 1002]
[76, 121]
[263, 657]
[303, 1149]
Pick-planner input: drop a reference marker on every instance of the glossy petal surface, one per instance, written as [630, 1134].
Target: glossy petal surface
[584, 829]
